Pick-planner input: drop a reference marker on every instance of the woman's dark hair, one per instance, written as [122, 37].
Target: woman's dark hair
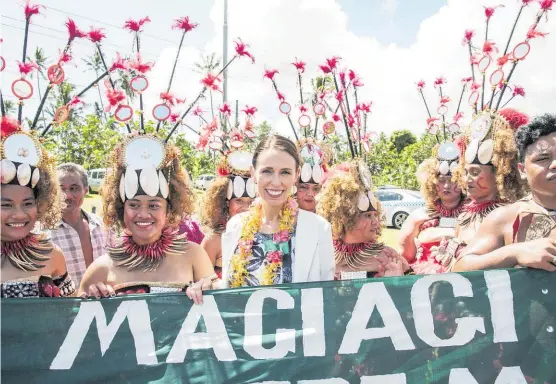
[280, 143]
[528, 134]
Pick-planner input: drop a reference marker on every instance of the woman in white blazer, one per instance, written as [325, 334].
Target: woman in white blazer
[275, 242]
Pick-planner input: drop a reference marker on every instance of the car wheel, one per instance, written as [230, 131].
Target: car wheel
[399, 219]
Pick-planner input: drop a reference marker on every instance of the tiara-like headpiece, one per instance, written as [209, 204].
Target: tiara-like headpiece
[236, 167]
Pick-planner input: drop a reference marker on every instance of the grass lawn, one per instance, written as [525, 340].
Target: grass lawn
[389, 235]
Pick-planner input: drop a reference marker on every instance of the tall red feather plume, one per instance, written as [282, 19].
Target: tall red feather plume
[139, 65]
[26, 68]
[9, 126]
[31, 9]
[299, 65]
[96, 35]
[73, 31]
[514, 117]
[241, 49]
[184, 24]
[136, 25]
[211, 81]
[269, 73]
[119, 63]
[460, 143]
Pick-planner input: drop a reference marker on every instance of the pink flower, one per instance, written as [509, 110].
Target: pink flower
[468, 35]
[65, 57]
[518, 91]
[211, 81]
[444, 100]
[96, 35]
[245, 244]
[420, 84]
[249, 111]
[241, 49]
[502, 60]
[74, 31]
[336, 117]
[431, 120]
[139, 65]
[225, 109]
[475, 86]
[168, 98]
[489, 11]
[351, 120]
[281, 97]
[26, 68]
[136, 25]
[439, 81]
[546, 5]
[269, 73]
[281, 237]
[75, 102]
[466, 80]
[302, 108]
[274, 257]
[293, 204]
[532, 33]
[489, 47]
[174, 117]
[114, 98]
[197, 111]
[325, 68]
[31, 9]
[333, 62]
[299, 65]
[119, 63]
[184, 24]
[458, 117]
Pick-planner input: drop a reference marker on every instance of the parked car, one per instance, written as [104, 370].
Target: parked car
[203, 181]
[95, 178]
[398, 204]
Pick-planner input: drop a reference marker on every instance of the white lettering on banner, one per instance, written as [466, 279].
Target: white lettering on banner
[501, 301]
[215, 337]
[253, 339]
[397, 378]
[137, 314]
[370, 296]
[312, 317]
[508, 375]
[422, 311]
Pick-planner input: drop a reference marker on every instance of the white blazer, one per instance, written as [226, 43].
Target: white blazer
[313, 252]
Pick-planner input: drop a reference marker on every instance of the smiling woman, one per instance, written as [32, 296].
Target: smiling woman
[275, 242]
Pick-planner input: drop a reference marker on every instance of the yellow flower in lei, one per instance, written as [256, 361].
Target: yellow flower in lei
[251, 225]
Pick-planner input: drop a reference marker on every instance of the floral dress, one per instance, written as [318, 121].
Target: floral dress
[267, 248]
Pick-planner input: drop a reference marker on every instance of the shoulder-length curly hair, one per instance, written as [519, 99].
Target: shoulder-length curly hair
[509, 186]
[49, 196]
[214, 210]
[338, 200]
[428, 175]
[181, 198]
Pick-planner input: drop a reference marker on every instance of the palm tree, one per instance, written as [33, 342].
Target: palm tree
[62, 95]
[207, 65]
[94, 62]
[9, 106]
[40, 60]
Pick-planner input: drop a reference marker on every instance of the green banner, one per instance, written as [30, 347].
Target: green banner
[482, 327]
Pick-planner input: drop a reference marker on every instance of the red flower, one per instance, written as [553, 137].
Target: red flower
[136, 25]
[518, 91]
[241, 49]
[526, 2]
[96, 35]
[489, 47]
[274, 257]
[302, 109]
[281, 237]
[31, 9]
[26, 68]
[281, 97]
[249, 111]
[74, 103]
[74, 31]
[139, 65]
[168, 98]
[325, 68]
[114, 97]
[8, 125]
[365, 107]
[225, 109]
[65, 57]
[351, 120]
[431, 120]
[532, 33]
[467, 36]
[211, 81]
[343, 77]
[333, 62]
[203, 141]
[299, 65]
[439, 81]
[269, 73]
[184, 24]
[444, 100]
[474, 59]
[489, 11]
[546, 5]
[174, 117]
[466, 80]
[197, 111]
[335, 117]
[475, 86]
[118, 63]
[420, 84]
[222, 171]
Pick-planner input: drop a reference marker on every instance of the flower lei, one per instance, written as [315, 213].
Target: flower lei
[252, 225]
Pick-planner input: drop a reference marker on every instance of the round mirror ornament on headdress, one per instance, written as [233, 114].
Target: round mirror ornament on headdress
[448, 157]
[240, 182]
[143, 156]
[22, 155]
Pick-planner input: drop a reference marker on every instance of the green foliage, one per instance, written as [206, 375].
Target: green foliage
[262, 131]
[402, 139]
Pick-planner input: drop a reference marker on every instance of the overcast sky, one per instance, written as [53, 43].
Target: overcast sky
[391, 44]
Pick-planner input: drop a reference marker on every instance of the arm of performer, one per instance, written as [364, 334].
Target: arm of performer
[212, 244]
[488, 249]
[409, 232]
[203, 273]
[94, 280]
[60, 273]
